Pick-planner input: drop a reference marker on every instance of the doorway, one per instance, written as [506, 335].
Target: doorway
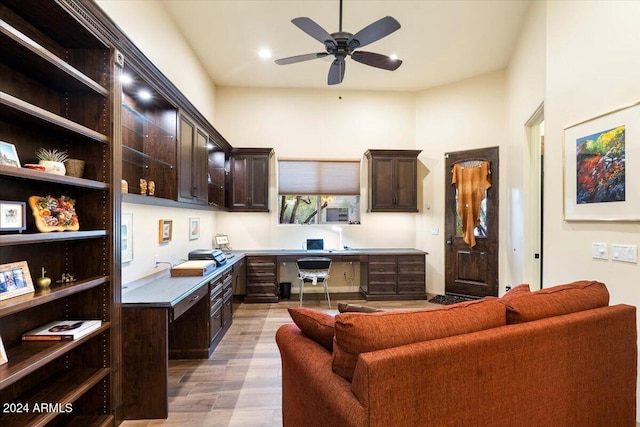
[471, 251]
[533, 262]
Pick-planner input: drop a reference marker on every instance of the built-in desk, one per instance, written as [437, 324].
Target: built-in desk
[385, 274]
[170, 317]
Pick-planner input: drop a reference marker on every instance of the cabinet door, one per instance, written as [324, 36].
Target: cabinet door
[239, 167]
[405, 185]
[185, 171]
[259, 187]
[381, 181]
[199, 166]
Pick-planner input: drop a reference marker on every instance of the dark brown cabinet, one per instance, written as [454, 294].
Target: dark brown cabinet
[393, 180]
[57, 91]
[389, 277]
[249, 176]
[192, 161]
[262, 276]
[216, 174]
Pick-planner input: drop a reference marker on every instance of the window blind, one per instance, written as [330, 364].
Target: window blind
[331, 177]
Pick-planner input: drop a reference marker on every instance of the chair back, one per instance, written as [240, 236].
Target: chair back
[314, 264]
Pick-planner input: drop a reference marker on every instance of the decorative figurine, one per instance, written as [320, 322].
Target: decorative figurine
[124, 186]
[66, 278]
[152, 188]
[43, 282]
[143, 186]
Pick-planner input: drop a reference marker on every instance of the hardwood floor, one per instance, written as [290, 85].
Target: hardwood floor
[239, 385]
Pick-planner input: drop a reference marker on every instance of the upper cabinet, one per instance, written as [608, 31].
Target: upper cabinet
[393, 180]
[192, 162]
[56, 92]
[216, 174]
[149, 129]
[249, 179]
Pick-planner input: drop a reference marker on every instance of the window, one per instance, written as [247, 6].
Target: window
[318, 192]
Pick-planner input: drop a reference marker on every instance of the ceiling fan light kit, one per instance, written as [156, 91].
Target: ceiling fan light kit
[342, 44]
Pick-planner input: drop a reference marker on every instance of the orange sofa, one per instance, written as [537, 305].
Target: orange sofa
[556, 357]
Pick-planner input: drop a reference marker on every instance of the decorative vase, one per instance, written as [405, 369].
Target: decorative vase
[56, 168]
[75, 167]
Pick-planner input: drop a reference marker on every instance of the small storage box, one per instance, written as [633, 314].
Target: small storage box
[193, 268]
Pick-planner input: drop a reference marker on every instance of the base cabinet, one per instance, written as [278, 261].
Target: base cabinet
[261, 279]
[393, 277]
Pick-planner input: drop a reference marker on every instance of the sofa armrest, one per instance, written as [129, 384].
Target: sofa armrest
[312, 395]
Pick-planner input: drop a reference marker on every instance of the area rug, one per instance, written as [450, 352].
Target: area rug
[448, 299]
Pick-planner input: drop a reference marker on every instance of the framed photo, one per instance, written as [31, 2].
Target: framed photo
[127, 237]
[13, 216]
[221, 240]
[3, 354]
[15, 280]
[194, 228]
[8, 155]
[601, 158]
[165, 231]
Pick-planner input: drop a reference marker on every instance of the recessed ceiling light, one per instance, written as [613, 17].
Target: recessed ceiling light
[393, 57]
[264, 53]
[144, 94]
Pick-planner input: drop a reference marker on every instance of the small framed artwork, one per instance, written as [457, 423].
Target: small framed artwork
[8, 155]
[13, 216]
[194, 228]
[15, 280]
[602, 167]
[3, 354]
[165, 231]
[127, 237]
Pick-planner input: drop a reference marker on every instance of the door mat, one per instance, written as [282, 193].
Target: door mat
[449, 299]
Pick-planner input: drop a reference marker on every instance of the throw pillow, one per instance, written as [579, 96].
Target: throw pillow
[344, 307]
[355, 333]
[515, 291]
[556, 301]
[315, 324]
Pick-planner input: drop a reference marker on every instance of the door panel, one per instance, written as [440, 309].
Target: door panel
[472, 271]
[407, 176]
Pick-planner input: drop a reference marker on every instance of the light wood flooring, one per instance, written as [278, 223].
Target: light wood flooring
[239, 385]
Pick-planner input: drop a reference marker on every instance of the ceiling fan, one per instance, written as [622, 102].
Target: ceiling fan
[342, 44]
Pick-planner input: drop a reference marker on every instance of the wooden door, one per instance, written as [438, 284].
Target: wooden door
[239, 184]
[259, 187]
[185, 156]
[472, 271]
[406, 181]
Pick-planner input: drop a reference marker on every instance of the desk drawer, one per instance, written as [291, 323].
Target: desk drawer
[189, 301]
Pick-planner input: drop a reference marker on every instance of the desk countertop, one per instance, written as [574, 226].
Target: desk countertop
[356, 251]
[166, 291]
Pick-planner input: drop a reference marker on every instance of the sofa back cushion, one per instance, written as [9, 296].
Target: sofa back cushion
[315, 324]
[357, 333]
[556, 301]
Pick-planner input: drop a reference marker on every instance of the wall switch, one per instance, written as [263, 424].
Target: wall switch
[624, 253]
[599, 251]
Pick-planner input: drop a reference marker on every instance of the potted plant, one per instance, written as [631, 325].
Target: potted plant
[52, 160]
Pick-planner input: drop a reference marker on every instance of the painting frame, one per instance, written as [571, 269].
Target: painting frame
[165, 230]
[3, 354]
[194, 228]
[127, 238]
[9, 155]
[13, 216]
[601, 167]
[15, 275]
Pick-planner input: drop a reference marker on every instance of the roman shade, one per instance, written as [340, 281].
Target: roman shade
[324, 177]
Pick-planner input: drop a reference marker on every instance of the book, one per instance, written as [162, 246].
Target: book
[193, 268]
[62, 330]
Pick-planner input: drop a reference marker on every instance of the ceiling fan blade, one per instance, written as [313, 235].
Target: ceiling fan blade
[314, 30]
[376, 60]
[336, 72]
[373, 32]
[300, 58]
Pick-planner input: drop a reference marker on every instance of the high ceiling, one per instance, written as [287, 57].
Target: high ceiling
[439, 42]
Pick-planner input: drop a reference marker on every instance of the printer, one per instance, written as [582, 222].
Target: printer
[209, 254]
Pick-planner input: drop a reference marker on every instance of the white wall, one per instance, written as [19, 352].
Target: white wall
[460, 116]
[592, 68]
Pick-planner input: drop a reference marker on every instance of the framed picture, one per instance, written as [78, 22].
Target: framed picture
[15, 280]
[194, 228]
[127, 237]
[166, 229]
[601, 158]
[13, 216]
[8, 155]
[3, 354]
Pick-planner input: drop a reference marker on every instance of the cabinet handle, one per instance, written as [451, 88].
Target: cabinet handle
[195, 297]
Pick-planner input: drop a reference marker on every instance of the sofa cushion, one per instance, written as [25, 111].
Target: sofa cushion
[315, 324]
[515, 291]
[344, 307]
[357, 333]
[556, 301]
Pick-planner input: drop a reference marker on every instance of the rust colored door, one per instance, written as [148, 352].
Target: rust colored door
[472, 271]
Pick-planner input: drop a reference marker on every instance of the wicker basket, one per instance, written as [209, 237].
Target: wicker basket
[75, 167]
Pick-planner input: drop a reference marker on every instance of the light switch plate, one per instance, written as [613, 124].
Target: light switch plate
[599, 251]
[624, 253]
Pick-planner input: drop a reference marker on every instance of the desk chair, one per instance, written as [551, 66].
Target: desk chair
[314, 270]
